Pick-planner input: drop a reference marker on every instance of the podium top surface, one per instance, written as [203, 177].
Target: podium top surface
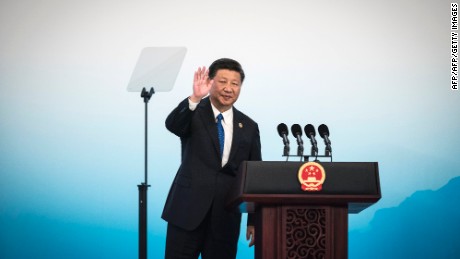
[355, 184]
[157, 68]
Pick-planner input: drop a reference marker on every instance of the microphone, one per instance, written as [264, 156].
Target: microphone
[283, 132]
[324, 133]
[310, 132]
[297, 132]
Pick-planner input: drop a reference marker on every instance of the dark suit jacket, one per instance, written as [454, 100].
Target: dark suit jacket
[201, 183]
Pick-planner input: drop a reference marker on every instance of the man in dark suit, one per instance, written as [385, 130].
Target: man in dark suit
[215, 139]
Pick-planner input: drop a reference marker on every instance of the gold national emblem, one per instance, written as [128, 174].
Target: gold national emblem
[311, 176]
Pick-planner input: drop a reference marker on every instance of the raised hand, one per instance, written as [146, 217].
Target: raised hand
[201, 84]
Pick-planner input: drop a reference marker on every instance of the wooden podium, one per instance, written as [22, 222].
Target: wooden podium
[292, 223]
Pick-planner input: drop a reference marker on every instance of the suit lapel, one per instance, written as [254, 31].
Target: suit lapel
[209, 122]
[207, 116]
[237, 132]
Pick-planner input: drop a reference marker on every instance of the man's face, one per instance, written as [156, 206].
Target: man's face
[225, 89]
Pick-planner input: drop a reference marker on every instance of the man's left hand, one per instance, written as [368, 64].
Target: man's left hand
[250, 232]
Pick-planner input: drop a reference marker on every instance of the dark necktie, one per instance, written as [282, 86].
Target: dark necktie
[220, 133]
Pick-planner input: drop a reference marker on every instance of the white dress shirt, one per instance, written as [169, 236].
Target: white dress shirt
[227, 124]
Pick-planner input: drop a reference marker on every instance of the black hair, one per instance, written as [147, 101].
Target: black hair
[225, 63]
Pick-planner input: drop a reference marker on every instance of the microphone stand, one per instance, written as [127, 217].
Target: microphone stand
[314, 153]
[286, 151]
[144, 186]
[300, 148]
[314, 147]
[327, 151]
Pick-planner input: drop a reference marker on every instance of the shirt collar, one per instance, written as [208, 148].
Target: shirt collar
[228, 114]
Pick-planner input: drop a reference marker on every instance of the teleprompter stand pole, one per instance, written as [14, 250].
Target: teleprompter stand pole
[143, 187]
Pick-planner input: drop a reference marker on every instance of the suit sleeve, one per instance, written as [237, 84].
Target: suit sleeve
[256, 148]
[178, 121]
[256, 155]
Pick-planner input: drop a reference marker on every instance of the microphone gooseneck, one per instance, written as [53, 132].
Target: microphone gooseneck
[324, 133]
[311, 133]
[297, 132]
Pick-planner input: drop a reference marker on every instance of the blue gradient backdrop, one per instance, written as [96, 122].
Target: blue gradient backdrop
[71, 136]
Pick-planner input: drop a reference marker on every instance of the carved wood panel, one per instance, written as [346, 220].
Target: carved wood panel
[305, 232]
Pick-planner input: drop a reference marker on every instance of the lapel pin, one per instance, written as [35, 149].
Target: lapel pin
[240, 125]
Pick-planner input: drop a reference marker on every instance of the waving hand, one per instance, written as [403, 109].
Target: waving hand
[201, 84]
